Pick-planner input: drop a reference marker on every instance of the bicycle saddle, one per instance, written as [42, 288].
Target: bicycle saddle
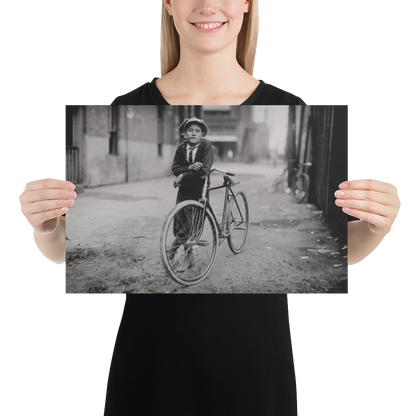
[232, 183]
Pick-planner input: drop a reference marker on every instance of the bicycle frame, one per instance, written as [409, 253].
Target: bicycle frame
[301, 168]
[229, 195]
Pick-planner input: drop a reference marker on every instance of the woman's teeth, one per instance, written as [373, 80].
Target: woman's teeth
[208, 25]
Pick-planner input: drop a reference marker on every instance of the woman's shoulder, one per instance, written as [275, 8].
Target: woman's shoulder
[270, 93]
[146, 94]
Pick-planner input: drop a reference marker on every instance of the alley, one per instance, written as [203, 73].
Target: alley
[114, 234]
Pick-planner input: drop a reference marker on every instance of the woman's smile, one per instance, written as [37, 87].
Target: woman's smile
[224, 17]
[208, 27]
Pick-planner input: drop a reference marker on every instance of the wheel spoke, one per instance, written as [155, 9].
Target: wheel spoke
[191, 234]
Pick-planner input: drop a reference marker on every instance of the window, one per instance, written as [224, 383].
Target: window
[68, 126]
[112, 128]
[160, 121]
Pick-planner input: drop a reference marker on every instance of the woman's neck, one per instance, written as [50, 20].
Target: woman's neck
[207, 79]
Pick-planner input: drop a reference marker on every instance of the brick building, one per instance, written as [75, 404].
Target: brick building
[115, 144]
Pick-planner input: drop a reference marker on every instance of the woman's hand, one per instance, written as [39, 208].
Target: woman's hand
[177, 181]
[196, 166]
[373, 201]
[44, 201]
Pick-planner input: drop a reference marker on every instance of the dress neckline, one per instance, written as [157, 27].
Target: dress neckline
[250, 100]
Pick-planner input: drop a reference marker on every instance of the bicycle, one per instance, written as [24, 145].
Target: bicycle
[191, 233]
[281, 183]
[300, 184]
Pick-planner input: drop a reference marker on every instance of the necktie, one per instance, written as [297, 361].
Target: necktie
[190, 158]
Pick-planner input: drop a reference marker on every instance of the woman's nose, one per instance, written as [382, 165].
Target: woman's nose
[208, 7]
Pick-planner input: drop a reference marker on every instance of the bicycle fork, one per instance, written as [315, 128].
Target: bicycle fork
[203, 199]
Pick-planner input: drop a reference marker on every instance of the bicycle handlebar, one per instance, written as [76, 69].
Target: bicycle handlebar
[222, 171]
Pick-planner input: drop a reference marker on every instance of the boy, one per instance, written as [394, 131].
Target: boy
[192, 162]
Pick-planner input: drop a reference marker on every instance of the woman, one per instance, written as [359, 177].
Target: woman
[207, 355]
[203, 64]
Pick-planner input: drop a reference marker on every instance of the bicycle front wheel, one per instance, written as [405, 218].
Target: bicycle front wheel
[237, 222]
[300, 187]
[188, 243]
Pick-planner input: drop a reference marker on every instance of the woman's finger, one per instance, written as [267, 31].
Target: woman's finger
[368, 185]
[46, 194]
[41, 210]
[378, 224]
[41, 206]
[51, 182]
[363, 206]
[36, 220]
[371, 192]
[364, 195]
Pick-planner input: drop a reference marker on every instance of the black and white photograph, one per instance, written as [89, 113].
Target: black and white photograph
[206, 199]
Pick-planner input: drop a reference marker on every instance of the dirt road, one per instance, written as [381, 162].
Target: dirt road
[114, 242]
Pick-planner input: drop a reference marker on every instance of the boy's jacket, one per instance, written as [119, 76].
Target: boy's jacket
[193, 181]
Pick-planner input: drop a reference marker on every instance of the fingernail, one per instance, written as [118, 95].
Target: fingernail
[70, 194]
[339, 193]
[343, 185]
[64, 209]
[345, 209]
[69, 202]
[340, 202]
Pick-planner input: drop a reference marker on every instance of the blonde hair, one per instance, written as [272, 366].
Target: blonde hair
[246, 41]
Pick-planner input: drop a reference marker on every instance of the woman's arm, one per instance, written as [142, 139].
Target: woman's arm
[52, 246]
[362, 242]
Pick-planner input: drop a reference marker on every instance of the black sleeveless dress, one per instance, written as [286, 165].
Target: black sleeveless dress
[203, 355]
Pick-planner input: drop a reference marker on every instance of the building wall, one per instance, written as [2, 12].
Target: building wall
[101, 167]
[145, 163]
[152, 137]
[147, 138]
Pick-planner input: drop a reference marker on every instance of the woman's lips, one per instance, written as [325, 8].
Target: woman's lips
[208, 27]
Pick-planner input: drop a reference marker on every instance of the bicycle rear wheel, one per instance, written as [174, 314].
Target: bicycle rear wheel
[188, 243]
[237, 222]
[300, 187]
